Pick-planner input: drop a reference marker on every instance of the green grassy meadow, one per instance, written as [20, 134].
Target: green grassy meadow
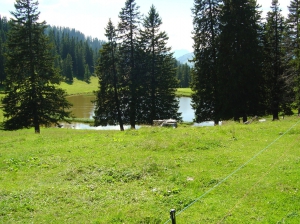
[233, 173]
[187, 92]
[80, 87]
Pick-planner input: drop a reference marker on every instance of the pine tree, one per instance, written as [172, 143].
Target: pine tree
[205, 81]
[32, 98]
[159, 77]
[3, 34]
[108, 106]
[183, 74]
[239, 60]
[87, 74]
[128, 31]
[2, 73]
[68, 68]
[274, 66]
[293, 47]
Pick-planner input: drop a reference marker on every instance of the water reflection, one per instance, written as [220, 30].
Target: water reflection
[89, 127]
[186, 109]
[83, 107]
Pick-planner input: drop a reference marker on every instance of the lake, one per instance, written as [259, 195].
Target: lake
[83, 108]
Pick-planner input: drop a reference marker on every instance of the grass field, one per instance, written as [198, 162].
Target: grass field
[81, 87]
[232, 173]
[184, 92]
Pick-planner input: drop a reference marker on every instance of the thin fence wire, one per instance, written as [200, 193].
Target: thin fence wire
[235, 171]
[272, 166]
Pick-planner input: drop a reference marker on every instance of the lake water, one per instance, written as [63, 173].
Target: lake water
[83, 107]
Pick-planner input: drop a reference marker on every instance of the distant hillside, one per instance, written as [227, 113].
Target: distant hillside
[185, 59]
[179, 53]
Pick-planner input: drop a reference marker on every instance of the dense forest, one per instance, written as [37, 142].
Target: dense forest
[245, 65]
[76, 54]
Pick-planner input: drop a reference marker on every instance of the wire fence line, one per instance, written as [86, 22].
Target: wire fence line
[272, 166]
[235, 171]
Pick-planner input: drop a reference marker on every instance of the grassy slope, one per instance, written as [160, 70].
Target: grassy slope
[184, 92]
[137, 176]
[81, 87]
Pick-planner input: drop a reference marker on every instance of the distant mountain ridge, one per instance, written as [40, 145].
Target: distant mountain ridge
[179, 53]
[184, 59]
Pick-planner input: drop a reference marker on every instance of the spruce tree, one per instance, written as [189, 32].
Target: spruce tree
[239, 60]
[32, 98]
[205, 81]
[108, 108]
[68, 68]
[3, 34]
[87, 74]
[159, 77]
[128, 30]
[293, 47]
[274, 66]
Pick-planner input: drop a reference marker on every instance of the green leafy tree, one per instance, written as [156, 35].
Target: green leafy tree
[205, 82]
[159, 101]
[108, 106]
[128, 31]
[274, 66]
[239, 61]
[32, 98]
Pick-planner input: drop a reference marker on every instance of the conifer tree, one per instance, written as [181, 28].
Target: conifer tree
[68, 68]
[159, 77]
[274, 66]
[87, 74]
[32, 98]
[239, 60]
[128, 31]
[108, 106]
[205, 81]
[3, 34]
[2, 73]
[293, 47]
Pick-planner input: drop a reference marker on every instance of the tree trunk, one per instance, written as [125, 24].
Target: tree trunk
[244, 118]
[236, 119]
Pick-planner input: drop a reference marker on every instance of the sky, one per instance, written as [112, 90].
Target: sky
[91, 16]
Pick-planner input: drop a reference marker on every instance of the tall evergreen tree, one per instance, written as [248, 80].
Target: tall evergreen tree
[32, 98]
[159, 77]
[239, 60]
[293, 46]
[3, 34]
[205, 82]
[68, 68]
[108, 107]
[274, 66]
[183, 74]
[2, 73]
[87, 73]
[128, 31]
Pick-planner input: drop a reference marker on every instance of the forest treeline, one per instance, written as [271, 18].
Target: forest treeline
[76, 54]
[245, 65]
